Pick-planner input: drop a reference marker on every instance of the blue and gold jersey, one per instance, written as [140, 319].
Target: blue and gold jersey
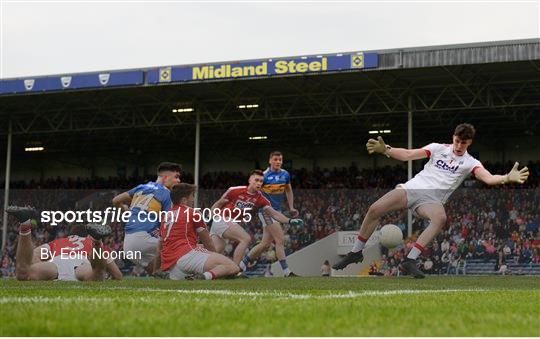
[149, 197]
[274, 186]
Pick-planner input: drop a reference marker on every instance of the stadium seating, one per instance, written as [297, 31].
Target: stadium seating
[330, 201]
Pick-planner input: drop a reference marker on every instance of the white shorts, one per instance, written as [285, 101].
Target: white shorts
[266, 219]
[144, 243]
[418, 197]
[190, 263]
[66, 267]
[219, 227]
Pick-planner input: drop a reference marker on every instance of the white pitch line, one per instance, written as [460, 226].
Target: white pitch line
[24, 300]
[253, 295]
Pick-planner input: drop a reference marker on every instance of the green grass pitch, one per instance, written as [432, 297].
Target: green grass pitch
[435, 306]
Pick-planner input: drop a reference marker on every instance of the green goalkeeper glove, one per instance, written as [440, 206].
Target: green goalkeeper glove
[296, 222]
[515, 176]
[377, 146]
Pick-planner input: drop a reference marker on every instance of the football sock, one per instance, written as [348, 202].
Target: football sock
[285, 267]
[415, 251]
[246, 260]
[359, 244]
[25, 228]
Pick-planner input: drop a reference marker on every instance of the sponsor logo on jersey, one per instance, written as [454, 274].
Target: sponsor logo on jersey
[444, 166]
[243, 205]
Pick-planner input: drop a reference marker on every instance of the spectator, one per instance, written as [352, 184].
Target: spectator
[428, 266]
[326, 269]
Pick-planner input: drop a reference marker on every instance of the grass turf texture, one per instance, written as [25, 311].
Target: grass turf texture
[436, 306]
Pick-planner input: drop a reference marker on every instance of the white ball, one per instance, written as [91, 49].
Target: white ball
[390, 236]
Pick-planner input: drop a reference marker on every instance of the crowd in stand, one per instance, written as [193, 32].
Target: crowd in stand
[343, 177]
[502, 224]
[482, 224]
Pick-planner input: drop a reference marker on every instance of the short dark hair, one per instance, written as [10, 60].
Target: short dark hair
[79, 230]
[278, 153]
[257, 172]
[169, 166]
[180, 191]
[465, 131]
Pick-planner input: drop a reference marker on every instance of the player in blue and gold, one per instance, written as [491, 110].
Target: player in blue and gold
[276, 187]
[142, 232]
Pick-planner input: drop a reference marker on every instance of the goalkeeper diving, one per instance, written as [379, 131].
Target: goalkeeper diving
[426, 193]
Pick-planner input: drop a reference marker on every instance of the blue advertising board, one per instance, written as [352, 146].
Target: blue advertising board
[201, 72]
[263, 68]
[70, 82]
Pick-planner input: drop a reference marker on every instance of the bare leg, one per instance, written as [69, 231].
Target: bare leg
[437, 216]
[98, 265]
[25, 269]
[41, 253]
[237, 233]
[394, 200]
[265, 243]
[25, 253]
[220, 266]
[152, 265]
[43, 271]
[276, 232]
[219, 244]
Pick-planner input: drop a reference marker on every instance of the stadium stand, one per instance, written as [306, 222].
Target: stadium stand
[493, 85]
[343, 177]
[493, 229]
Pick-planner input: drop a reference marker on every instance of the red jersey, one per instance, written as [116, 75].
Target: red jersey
[179, 236]
[240, 199]
[72, 244]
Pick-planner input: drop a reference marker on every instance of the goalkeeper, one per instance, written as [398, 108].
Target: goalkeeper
[426, 193]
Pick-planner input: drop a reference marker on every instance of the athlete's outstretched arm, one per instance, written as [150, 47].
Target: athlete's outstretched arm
[402, 154]
[207, 242]
[515, 176]
[122, 201]
[276, 215]
[281, 218]
[290, 200]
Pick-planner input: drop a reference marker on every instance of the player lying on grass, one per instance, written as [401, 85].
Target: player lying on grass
[426, 193]
[70, 258]
[239, 204]
[181, 256]
[141, 235]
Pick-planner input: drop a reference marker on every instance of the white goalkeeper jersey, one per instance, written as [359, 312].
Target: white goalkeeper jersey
[444, 171]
